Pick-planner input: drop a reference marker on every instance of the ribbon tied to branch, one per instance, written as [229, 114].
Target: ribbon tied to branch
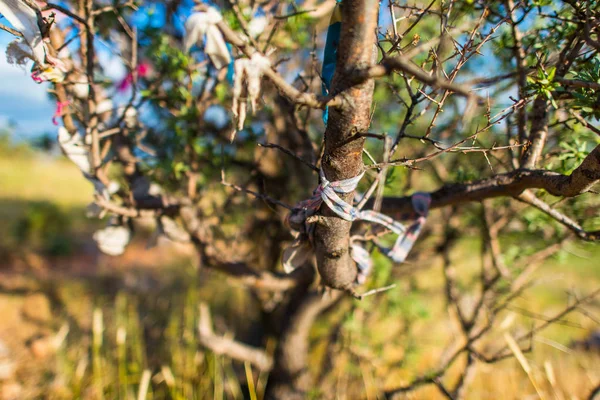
[202, 27]
[26, 18]
[249, 71]
[327, 192]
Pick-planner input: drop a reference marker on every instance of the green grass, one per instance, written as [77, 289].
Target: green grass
[36, 177]
[36, 191]
[120, 334]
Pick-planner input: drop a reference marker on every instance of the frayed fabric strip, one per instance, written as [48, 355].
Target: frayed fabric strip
[25, 17]
[25, 20]
[202, 27]
[74, 148]
[327, 192]
[249, 71]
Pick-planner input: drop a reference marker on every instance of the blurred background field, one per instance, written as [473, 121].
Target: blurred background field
[79, 324]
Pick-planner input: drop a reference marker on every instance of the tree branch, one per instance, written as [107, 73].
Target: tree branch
[342, 158]
[240, 271]
[389, 65]
[289, 377]
[529, 198]
[519, 55]
[578, 84]
[509, 184]
[228, 346]
[539, 113]
[11, 30]
[298, 97]
[52, 6]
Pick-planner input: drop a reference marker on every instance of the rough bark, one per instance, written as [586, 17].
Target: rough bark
[538, 133]
[342, 158]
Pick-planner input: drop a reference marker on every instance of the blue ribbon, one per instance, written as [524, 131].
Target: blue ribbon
[331, 52]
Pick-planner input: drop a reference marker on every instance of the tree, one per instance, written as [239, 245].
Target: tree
[486, 108]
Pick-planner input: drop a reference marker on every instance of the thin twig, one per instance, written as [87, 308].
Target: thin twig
[11, 30]
[261, 196]
[373, 291]
[289, 153]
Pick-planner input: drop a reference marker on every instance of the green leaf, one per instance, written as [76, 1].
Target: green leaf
[178, 168]
[541, 74]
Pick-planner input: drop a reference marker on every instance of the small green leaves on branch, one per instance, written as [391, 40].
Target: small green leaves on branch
[543, 84]
[587, 96]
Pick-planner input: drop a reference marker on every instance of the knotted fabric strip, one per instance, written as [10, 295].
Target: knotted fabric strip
[60, 110]
[328, 192]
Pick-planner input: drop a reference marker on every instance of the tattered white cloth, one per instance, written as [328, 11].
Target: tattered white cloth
[202, 27]
[79, 154]
[113, 239]
[251, 71]
[25, 16]
[257, 25]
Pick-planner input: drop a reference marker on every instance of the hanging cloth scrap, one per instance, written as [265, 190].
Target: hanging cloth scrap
[76, 151]
[113, 239]
[249, 71]
[25, 18]
[202, 27]
[300, 250]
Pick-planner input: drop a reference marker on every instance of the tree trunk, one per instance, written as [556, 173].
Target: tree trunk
[343, 155]
[290, 377]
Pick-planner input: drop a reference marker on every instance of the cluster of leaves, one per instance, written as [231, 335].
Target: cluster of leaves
[588, 99]
[543, 84]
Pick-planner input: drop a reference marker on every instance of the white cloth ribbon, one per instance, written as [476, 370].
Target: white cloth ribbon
[248, 70]
[202, 27]
[79, 154]
[24, 18]
[327, 192]
[113, 239]
[257, 25]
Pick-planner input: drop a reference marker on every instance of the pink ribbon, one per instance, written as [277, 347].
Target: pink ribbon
[143, 70]
[60, 110]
